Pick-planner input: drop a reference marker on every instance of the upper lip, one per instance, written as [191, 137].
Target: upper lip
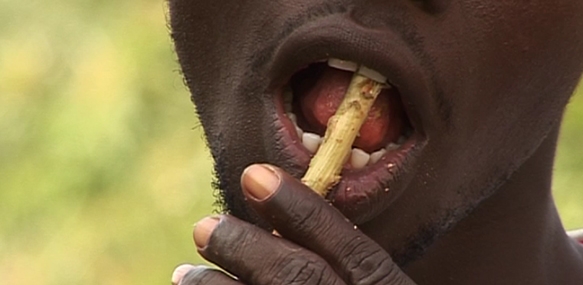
[384, 51]
[338, 37]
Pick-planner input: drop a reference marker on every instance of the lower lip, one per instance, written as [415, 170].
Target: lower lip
[362, 193]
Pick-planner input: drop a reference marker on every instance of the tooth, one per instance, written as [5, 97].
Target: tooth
[300, 133]
[359, 158]
[342, 64]
[311, 141]
[376, 156]
[392, 146]
[292, 117]
[372, 74]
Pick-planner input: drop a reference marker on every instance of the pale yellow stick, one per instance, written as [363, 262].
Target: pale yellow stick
[325, 167]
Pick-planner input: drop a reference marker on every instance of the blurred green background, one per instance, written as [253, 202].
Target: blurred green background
[103, 167]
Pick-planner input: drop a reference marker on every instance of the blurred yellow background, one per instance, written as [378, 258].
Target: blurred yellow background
[103, 167]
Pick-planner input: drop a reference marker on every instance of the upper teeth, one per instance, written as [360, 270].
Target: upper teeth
[353, 66]
[372, 74]
[343, 64]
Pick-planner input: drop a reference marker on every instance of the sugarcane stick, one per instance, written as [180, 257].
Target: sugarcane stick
[342, 129]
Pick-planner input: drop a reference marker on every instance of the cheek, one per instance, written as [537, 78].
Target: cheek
[504, 77]
[505, 74]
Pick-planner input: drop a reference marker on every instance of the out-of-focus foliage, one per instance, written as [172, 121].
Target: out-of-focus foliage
[103, 168]
[568, 176]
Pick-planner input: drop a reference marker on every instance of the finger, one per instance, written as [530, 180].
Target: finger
[300, 215]
[257, 257]
[180, 271]
[187, 274]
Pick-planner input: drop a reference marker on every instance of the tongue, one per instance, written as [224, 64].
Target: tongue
[320, 101]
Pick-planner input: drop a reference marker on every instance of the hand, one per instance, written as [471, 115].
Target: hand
[317, 245]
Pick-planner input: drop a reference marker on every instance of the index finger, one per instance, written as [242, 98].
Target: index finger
[303, 217]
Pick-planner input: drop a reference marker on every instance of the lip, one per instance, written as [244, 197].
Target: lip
[361, 194]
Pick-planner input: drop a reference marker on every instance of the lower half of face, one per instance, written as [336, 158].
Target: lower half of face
[473, 87]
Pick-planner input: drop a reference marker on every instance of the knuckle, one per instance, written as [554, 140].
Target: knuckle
[309, 218]
[303, 270]
[302, 212]
[232, 239]
[382, 271]
[368, 264]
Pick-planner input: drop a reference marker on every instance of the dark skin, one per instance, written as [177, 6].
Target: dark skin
[484, 83]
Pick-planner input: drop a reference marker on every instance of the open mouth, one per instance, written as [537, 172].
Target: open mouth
[386, 141]
[310, 73]
[313, 95]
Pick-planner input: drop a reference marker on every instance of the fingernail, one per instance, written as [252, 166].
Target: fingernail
[260, 181]
[179, 273]
[203, 230]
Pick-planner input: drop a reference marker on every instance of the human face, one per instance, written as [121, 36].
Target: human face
[481, 84]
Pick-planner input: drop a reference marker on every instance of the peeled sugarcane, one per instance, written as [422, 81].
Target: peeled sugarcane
[342, 129]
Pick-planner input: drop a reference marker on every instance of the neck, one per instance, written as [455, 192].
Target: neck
[514, 237]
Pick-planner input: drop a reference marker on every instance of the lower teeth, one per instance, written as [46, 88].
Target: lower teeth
[311, 141]
[376, 156]
[358, 158]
